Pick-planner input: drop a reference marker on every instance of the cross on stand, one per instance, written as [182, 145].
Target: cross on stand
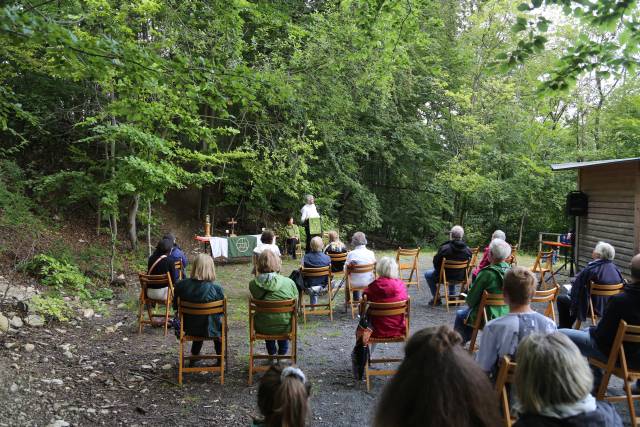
[232, 223]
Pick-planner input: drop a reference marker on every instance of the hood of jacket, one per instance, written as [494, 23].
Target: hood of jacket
[387, 287]
[268, 281]
[458, 244]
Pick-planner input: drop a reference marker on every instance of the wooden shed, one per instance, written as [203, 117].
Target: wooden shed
[613, 216]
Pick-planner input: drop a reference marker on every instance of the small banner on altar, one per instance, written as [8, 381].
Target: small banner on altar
[242, 246]
[315, 226]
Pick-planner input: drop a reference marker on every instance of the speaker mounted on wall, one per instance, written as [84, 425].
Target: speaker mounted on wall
[577, 204]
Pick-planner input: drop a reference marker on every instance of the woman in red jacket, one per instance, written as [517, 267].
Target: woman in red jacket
[387, 288]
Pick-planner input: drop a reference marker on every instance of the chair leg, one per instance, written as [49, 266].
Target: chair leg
[446, 295]
[222, 358]
[602, 389]
[141, 304]
[166, 318]
[632, 409]
[180, 361]
[436, 297]
[250, 361]
[366, 373]
[472, 344]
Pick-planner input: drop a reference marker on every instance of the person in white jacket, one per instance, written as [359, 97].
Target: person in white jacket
[308, 211]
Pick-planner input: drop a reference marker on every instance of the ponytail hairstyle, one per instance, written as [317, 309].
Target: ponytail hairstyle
[283, 397]
[436, 375]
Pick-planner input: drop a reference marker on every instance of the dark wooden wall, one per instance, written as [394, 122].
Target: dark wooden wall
[614, 211]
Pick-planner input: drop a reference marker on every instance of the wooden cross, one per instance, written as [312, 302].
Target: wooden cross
[233, 223]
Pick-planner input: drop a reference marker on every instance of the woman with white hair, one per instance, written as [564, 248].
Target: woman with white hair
[490, 279]
[602, 271]
[486, 255]
[553, 384]
[360, 255]
[309, 212]
[388, 287]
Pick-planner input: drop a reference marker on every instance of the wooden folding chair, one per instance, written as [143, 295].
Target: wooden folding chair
[599, 290]
[548, 296]
[350, 288]
[267, 307]
[324, 308]
[488, 300]
[178, 267]
[543, 265]
[452, 265]
[203, 309]
[407, 260]
[474, 260]
[506, 375]
[377, 309]
[154, 281]
[617, 365]
[298, 249]
[513, 258]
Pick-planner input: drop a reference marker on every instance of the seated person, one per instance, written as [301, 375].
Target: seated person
[490, 280]
[335, 246]
[269, 285]
[315, 259]
[201, 288]
[160, 263]
[292, 236]
[597, 341]
[553, 382]
[387, 288]
[601, 270]
[437, 384]
[454, 249]
[177, 253]
[486, 254]
[283, 398]
[267, 238]
[501, 336]
[360, 255]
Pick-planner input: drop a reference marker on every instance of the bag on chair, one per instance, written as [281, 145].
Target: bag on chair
[296, 276]
[360, 353]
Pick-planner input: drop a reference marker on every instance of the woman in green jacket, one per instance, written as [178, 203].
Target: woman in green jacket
[201, 288]
[488, 279]
[271, 286]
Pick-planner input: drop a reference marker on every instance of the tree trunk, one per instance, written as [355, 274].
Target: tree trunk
[149, 226]
[521, 229]
[113, 228]
[133, 213]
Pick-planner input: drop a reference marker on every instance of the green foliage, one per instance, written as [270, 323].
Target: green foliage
[68, 289]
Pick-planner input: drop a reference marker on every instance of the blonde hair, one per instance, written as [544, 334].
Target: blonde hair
[519, 285]
[316, 244]
[203, 268]
[268, 262]
[333, 236]
[387, 267]
[550, 371]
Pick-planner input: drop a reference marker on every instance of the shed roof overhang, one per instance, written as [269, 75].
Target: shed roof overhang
[579, 165]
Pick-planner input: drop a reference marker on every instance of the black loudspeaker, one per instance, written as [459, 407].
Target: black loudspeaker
[577, 203]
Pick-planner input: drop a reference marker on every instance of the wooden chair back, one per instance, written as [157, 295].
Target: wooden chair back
[338, 259]
[378, 309]
[322, 308]
[542, 262]
[356, 269]
[617, 365]
[154, 281]
[179, 267]
[203, 309]
[505, 376]
[407, 260]
[488, 300]
[474, 260]
[444, 282]
[548, 296]
[513, 258]
[598, 290]
[283, 306]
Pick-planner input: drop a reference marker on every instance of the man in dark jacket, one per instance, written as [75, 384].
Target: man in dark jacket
[597, 341]
[601, 270]
[454, 249]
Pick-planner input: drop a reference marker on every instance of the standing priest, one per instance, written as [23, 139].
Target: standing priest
[311, 220]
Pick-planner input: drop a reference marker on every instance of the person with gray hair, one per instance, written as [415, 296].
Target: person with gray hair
[490, 279]
[602, 271]
[360, 255]
[454, 249]
[596, 342]
[486, 255]
[309, 212]
[553, 384]
[388, 287]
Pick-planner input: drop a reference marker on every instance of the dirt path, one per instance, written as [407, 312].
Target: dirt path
[85, 373]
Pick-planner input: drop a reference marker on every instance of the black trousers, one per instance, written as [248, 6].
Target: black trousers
[196, 347]
[565, 318]
[291, 247]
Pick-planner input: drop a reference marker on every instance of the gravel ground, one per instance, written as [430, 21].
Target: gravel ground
[100, 371]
